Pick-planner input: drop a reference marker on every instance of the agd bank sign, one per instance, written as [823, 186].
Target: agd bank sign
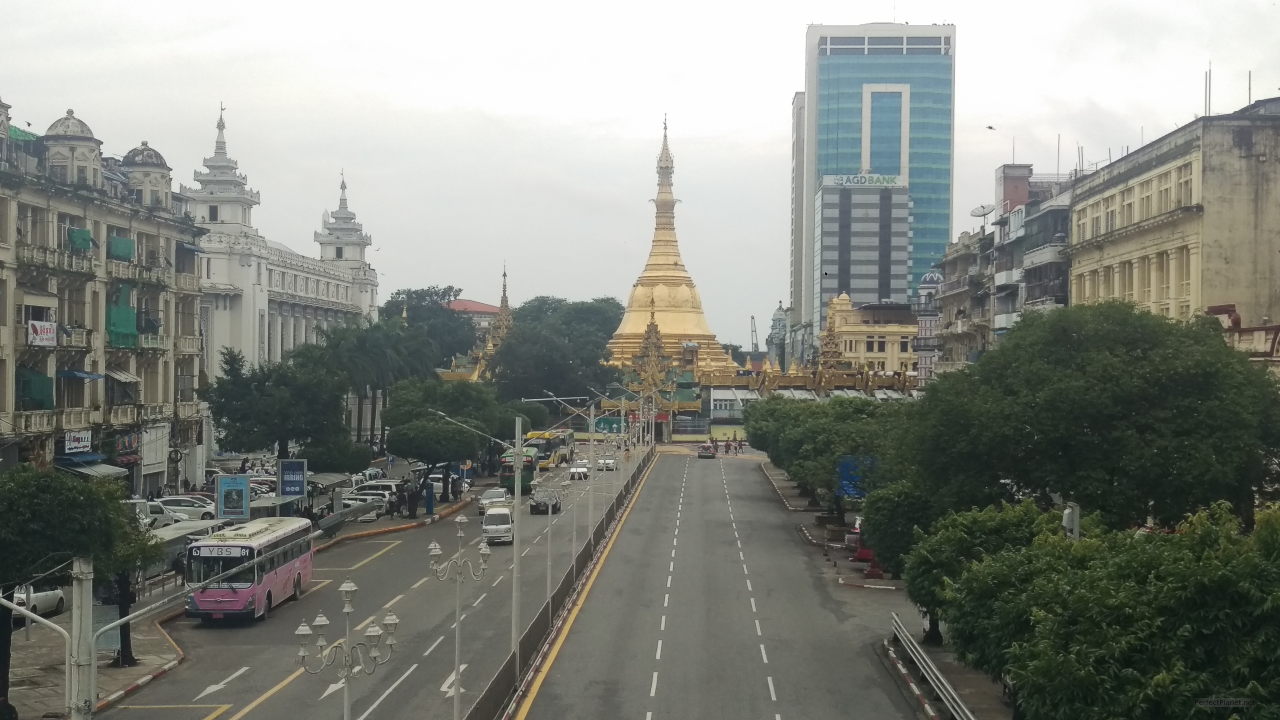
[863, 180]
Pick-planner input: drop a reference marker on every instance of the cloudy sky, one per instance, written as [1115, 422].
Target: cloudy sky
[473, 133]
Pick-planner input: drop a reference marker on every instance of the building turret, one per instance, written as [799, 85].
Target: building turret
[72, 153]
[224, 197]
[150, 182]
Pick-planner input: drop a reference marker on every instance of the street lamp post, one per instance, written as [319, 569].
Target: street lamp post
[459, 570]
[351, 658]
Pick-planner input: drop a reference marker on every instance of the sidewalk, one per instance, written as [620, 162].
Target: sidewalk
[788, 492]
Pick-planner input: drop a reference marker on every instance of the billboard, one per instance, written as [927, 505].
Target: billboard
[292, 475]
[76, 441]
[42, 334]
[232, 496]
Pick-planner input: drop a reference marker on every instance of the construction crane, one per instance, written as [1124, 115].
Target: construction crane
[755, 337]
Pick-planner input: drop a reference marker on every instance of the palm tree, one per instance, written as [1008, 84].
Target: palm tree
[345, 347]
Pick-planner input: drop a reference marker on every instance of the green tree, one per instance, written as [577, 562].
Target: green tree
[50, 517]
[735, 353]
[339, 455]
[275, 403]
[135, 550]
[428, 310]
[1107, 405]
[556, 345]
[537, 414]
[433, 442]
[959, 539]
[891, 517]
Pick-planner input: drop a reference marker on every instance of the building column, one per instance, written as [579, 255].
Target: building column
[298, 332]
[286, 334]
[273, 334]
[1153, 277]
[1193, 270]
[1175, 275]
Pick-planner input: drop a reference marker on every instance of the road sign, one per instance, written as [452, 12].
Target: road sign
[609, 424]
[232, 497]
[850, 471]
[292, 477]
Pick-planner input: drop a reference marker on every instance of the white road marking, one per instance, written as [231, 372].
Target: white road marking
[744, 569]
[482, 597]
[393, 601]
[758, 633]
[675, 541]
[433, 646]
[332, 687]
[653, 684]
[673, 553]
[648, 715]
[671, 567]
[740, 555]
[419, 584]
[387, 692]
[749, 585]
[668, 581]
[448, 686]
[525, 552]
[666, 599]
[461, 618]
[753, 605]
[663, 625]
[739, 544]
[224, 683]
[473, 542]
[495, 582]
[658, 655]
[763, 656]
[677, 532]
[772, 695]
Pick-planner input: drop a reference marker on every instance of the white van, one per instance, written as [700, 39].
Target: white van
[579, 473]
[497, 525]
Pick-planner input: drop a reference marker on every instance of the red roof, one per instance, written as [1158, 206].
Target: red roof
[474, 307]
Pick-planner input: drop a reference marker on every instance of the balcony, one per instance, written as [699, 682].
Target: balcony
[153, 341]
[155, 411]
[1004, 321]
[55, 259]
[118, 270]
[188, 410]
[75, 418]
[183, 282]
[33, 421]
[74, 338]
[1043, 255]
[122, 414]
[155, 275]
[926, 344]
[189, 344]
[1008, 277]
[956, 327]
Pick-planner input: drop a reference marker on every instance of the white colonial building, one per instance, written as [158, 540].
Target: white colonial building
[261, 297]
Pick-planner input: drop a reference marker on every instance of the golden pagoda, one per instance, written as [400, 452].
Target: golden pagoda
[664, 293]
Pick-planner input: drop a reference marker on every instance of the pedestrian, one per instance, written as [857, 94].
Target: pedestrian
[244, 466]
[391, 460]
[415, 497]
[402, 500]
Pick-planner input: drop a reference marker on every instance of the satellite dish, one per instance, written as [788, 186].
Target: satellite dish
[982, 211]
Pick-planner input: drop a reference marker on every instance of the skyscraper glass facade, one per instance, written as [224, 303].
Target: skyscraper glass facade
[884, 85]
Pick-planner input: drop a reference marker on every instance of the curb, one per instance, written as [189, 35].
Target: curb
[145, 680]
[778, 490]
[870, 586]
[446, 513]
[906, 677]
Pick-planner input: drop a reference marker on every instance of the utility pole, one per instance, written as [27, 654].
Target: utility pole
[591, 472]
[517, 466]
[83, 691]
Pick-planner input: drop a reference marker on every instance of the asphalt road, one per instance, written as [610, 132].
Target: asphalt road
[249, 670]
[708, 606]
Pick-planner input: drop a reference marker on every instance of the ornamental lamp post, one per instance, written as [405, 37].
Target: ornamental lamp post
[351, 658]
[459, 570]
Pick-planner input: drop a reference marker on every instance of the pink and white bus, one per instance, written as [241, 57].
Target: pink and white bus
[253, 591]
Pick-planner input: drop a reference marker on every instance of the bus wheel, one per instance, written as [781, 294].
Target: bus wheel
[266, 608]
[297, 587]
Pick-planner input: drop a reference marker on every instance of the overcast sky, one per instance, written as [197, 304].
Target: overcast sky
[473, 133]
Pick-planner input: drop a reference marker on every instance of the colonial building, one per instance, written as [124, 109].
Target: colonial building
[926, 343]
[261, 297]
[874, 336]
[1187, 222]
[665, 292]
[100, 348]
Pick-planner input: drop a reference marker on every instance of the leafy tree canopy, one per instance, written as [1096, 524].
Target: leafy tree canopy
[891, 517]
[556, 345]
[433, 441]
[428, 310]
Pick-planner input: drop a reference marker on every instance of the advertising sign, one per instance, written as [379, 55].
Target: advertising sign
[292, 477]
[232, 495]
[863, 180]
[42, 334]
[75, 441]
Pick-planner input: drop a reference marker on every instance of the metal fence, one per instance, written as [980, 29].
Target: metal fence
[495, 699]
[928, 672]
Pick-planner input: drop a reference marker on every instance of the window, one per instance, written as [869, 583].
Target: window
[337, 252]
[213, 213]
[1144, 200]
[871, 345]
[155, 197]
[1109, 213]
[903, 345]
[208, 269]
[1127, 207]
[1183, 197]
[880, 346]
[82, 175]
[1164, 195]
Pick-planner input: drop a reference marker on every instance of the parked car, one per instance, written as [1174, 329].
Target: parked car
[387, 486]
[153, 515]
[380, 505]
[46, 600]
[544, 503]
[494, 498]
[497, 525]
[190, 508]
[706, 450]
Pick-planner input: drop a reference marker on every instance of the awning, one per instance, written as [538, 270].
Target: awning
[123, 376]
[189, 246]
[128, 459]
[37, 298]
[80, 458]
[80, 375]
[97, 470]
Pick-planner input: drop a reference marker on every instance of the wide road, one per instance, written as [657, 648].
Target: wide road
[248, 670]
[709, 606]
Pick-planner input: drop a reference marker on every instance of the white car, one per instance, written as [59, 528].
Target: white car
[190, 508]
[153, 515]
[494, 498]
[579, 472]
[44, 600]
[349, 501]
[497, 525]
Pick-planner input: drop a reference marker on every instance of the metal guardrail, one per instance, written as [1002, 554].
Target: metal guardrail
[942, 689]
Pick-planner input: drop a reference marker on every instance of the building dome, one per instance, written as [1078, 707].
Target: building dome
[144, 154]
[931, 278]
[70, 126]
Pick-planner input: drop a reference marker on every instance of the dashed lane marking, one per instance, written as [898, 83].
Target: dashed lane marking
[749, 585]
[418, 584]
[666, 599]
[772, 695]
[758, 633]
[763, 655]
[753, 605]
[433, 646]
[495, 582]
[653, 684]
[658, 654]
[663, 624]
[482, 597]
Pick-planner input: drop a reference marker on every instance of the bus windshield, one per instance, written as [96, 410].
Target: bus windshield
[202, 566]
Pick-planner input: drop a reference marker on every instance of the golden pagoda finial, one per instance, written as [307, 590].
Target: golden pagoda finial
[503, 303]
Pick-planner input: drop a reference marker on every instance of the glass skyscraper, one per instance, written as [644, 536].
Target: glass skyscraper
[878, 100]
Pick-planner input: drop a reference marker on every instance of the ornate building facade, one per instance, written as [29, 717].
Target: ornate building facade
[100, 349]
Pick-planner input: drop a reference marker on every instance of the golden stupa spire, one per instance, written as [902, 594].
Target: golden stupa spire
[664, 294]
